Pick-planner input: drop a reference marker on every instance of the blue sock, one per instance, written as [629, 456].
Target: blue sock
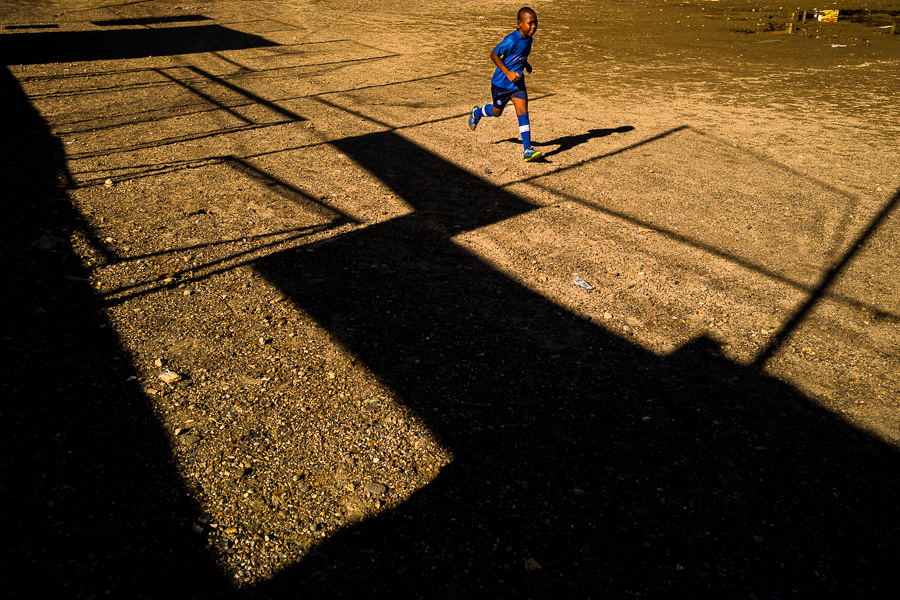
[525, 130]
[487, 110]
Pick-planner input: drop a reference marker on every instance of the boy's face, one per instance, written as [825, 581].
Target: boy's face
[528, 25]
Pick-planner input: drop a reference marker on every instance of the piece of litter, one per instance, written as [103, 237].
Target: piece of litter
[532, 565]
[839, 45]
[582, 283]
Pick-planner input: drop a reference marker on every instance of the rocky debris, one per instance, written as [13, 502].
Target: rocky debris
[284, 435]
[169, 376]
[376, 489]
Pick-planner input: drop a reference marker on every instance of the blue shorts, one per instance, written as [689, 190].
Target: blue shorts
[501, 96]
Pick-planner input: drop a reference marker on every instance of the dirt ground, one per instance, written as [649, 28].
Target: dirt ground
[280, 321]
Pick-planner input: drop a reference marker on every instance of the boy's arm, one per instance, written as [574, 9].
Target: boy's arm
[511, 75]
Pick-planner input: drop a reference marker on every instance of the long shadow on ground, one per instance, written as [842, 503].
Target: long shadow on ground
[92, 503]
[618, 471]
[567, 142]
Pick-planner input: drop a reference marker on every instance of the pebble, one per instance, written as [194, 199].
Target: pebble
[375, 489]
[189, 439]
[169, 376]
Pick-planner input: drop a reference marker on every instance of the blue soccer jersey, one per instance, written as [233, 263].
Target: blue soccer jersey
[513, 51]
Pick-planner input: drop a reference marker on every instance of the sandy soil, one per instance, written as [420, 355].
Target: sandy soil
[388, 379]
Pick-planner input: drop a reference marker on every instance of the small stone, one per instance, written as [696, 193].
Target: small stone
[159, 362]
[187, 292]
[189, 440]
[197, 528]
[108, 182]
[607, 316]
[376, 489]
[169, 376]
[331, 375]
[532, 565]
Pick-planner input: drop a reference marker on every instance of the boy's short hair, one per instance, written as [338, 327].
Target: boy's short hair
[525, 10]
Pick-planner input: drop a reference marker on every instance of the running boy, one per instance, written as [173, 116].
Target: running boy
[508, 82]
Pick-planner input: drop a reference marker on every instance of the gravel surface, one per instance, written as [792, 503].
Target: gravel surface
[280, 325]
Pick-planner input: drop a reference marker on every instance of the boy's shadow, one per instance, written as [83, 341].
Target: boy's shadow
[568, 142]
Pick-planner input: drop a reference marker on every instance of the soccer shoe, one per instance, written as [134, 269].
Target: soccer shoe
[474, 118]
[532, 154]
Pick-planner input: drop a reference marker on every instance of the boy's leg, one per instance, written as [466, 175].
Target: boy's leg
[521, 105]
[488, 110]
[500, 98]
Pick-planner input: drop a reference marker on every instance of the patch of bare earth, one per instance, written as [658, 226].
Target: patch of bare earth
[285, 321]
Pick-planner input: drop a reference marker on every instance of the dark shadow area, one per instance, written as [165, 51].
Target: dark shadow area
[872, 17]
[619, 472]
[568, 142]
[585, 466]
[77, 46]
[151, 20]
[93, 505]
[45, 26]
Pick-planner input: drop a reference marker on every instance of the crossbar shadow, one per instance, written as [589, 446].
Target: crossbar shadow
[616, 471]
[83, 46]
[143, 21]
